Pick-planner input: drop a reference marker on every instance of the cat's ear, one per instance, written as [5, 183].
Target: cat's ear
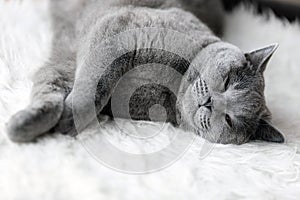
[260, 58]
[267, 132]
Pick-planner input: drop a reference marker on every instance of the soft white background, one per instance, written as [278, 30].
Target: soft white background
[58, 167]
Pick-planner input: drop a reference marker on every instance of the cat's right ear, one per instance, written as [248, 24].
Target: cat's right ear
[260, 58]
[267, 132]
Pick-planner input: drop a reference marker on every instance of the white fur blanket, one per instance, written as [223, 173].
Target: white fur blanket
[58, 167]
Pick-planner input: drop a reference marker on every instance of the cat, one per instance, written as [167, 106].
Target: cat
[219, 95]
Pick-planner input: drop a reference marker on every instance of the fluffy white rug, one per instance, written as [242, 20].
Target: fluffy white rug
[58, 167]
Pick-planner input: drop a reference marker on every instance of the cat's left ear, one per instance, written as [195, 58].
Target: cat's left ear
[267, 132]
[260, 58]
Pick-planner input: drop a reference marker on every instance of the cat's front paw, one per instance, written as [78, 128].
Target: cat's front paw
[34, 121]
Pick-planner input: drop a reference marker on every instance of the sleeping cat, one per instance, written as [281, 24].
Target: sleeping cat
[219, 95]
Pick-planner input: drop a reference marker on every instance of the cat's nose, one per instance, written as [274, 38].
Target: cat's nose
[208, 102]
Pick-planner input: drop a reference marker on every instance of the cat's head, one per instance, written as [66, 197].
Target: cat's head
[222, 95]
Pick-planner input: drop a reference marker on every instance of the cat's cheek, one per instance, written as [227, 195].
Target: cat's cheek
[185, 111]
[214, 124]
[215, 84]
[213, 77]
[196, 120]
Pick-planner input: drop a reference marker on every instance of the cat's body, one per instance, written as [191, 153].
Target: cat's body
[81, 29]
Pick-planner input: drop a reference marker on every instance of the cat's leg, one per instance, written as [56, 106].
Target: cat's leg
[51, 84]
[97, 83]
[106, 81]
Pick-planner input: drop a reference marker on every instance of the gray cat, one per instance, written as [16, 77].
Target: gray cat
[219, 95]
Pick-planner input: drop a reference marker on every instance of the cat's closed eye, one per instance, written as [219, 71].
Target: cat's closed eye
[226, 83]
[228, 120]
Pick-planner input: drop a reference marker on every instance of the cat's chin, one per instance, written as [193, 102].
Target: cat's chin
[187, 127]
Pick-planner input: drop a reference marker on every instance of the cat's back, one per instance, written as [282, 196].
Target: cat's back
[80, 11]
[207, 11]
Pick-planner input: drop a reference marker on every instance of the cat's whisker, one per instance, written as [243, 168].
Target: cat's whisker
[208, 123]
[205, 123]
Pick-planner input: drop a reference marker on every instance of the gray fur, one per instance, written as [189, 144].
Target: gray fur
[80, 25]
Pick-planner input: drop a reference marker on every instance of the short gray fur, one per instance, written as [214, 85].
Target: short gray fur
[220, 97]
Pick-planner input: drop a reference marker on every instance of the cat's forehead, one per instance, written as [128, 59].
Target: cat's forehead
[245, 102]
[230, 58]
[225, 55]
[246, 79]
